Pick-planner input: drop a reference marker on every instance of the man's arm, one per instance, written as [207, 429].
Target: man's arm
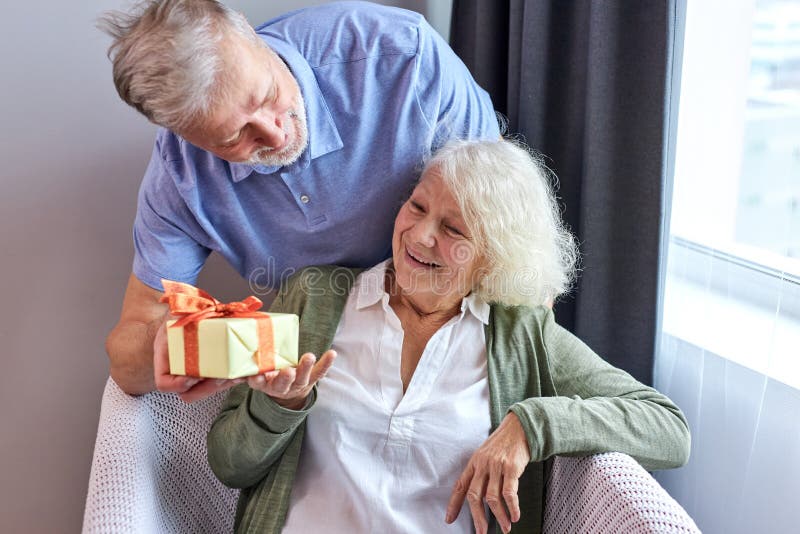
[130, 344]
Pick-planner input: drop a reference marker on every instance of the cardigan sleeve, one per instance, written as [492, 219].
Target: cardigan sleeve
[252, 431]
[250, 434]
[599, 408]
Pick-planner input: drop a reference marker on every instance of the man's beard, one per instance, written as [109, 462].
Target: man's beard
[298, 140]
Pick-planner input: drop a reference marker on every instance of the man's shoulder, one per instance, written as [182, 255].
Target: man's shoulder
[348, 31]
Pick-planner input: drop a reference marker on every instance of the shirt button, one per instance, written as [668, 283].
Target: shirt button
[304, 199]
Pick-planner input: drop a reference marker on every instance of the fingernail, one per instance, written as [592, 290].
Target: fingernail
[239, 380]
[219, 381]
[448, 518]
[192, 381]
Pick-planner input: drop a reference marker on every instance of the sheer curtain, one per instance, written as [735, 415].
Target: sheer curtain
[744, 470]
[729, 353]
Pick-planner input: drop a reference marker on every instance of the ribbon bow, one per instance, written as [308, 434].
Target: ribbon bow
[193, 305]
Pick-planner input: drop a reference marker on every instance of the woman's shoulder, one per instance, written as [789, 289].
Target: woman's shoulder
[519, 325]
[318, 282]
[527, 324]
[509, 316]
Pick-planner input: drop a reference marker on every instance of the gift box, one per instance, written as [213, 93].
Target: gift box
[211, 339]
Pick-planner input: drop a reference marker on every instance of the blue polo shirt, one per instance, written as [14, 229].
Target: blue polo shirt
[381, 90]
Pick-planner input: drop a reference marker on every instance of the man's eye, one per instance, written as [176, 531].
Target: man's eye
[233, 142]
[271, 98]
[416, 207]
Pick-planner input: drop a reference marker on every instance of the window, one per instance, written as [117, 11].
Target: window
[733, 281]
[730, 348]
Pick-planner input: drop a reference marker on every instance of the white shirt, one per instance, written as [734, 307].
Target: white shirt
[374, 459]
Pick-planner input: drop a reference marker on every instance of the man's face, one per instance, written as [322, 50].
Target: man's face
[261, 117]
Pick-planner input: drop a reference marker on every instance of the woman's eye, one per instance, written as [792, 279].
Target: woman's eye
[454, 231]
[416, 207]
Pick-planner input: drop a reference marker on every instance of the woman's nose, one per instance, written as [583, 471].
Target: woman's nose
[424, 233]
[268, 129]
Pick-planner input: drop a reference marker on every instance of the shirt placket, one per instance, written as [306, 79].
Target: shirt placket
[306, 199]
[388, 355]
[403, 409]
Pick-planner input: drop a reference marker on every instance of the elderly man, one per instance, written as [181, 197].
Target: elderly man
[290, 145]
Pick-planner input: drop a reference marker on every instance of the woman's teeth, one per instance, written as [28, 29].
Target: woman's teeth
[420, 260]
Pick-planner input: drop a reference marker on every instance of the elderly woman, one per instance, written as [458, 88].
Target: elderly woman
[452, 384]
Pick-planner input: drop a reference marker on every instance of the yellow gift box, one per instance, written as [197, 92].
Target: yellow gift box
[211, 339]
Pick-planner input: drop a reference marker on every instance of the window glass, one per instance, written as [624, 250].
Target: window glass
[737, 181]
[733, 273]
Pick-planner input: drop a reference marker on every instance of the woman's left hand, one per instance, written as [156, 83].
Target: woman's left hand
[492, 475]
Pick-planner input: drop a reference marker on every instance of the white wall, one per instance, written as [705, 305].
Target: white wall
[72, 157]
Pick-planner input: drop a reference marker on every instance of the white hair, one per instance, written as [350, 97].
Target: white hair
[509, 206]
[167, 58]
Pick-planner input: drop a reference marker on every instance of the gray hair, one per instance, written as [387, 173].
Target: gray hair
[509, 206]
[167, 57]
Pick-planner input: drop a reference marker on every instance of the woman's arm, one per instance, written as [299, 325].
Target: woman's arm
[600, 408]
[250, 434]
[251, 431]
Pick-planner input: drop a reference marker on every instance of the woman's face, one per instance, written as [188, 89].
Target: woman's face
[432, 250]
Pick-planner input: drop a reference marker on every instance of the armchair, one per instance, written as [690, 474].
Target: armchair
[149, 474]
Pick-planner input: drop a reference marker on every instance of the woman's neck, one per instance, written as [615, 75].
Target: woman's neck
[426, 307]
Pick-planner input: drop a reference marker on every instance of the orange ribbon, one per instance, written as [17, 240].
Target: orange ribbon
[193, 305]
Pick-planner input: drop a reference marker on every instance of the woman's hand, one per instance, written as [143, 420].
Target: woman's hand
[290, 386]
[492, 475]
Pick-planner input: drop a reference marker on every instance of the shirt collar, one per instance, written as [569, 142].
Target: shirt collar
[477, 306]
[370, 290]
[370, 286]
[323, 136]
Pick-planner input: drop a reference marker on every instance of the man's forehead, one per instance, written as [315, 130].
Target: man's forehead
[242, 96]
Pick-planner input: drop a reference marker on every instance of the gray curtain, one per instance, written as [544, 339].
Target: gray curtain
[593, 85]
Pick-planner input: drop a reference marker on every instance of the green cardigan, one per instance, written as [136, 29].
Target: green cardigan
[569, 401]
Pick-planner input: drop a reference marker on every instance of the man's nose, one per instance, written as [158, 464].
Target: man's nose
[268, 128]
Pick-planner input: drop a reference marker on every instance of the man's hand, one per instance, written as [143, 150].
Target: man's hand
[188, 388]
[290, 386]
[492, 475]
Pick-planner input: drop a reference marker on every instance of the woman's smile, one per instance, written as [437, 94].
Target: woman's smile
[419, 259]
